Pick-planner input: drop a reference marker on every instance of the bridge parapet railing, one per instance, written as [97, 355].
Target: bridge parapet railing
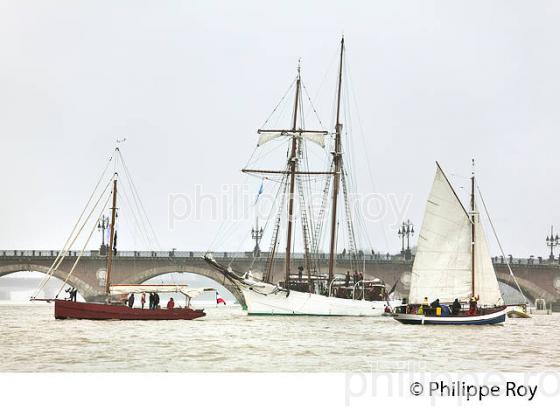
[41, 253]
[376, 258]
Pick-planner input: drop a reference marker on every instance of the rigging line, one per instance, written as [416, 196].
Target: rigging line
[313, 220]
[84, 247]
[333, 60]
[222, 234]
[242, 241]
[274, 242]
[121, 194]
[140, 207]
[312, 106]
[58, 260]
[271, 150]
[137, 217]
[499, 243]
[280, 102]
[139, 222]
[366, 148]
[139, 199]
[251, 157]
[101, 176]
[268, 219]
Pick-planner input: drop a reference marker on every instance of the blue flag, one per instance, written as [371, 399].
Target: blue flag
[261, 189]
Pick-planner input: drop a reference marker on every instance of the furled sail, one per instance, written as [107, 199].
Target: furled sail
[442, 265]
[315, 137]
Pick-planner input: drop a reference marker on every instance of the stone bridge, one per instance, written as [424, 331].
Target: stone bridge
[537, 280]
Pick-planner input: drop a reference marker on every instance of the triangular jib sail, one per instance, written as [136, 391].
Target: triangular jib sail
[443, 263]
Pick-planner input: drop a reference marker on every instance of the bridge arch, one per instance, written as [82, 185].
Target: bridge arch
[529, 289]
[83, 288]
[148, 274]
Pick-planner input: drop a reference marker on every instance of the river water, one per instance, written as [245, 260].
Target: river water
[228, 340]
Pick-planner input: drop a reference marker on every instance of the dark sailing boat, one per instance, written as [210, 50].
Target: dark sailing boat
[314, 293]
[113, 308]
[452, 265]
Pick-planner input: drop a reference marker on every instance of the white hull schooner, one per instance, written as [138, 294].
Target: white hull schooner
[263, 298]
[315, 293]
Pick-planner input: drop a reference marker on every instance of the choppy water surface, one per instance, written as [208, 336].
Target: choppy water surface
[229, 340]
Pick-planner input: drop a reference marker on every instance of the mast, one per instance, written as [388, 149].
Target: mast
[473, 231]
[111, 237]
[292, 176]
[337, 156]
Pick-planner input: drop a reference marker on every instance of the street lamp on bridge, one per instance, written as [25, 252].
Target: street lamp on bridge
[257, 234]
[406, 231]
[102, 226]
[552, 241]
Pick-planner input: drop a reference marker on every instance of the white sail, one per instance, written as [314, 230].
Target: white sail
[442, 265]
[485, 284]
[314, 137]
[265, 137]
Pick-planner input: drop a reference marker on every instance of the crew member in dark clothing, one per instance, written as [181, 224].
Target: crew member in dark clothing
[347, 279]
[151, 300]
[472, 305]
[131, 300]
[156, 301]
[456, 307]
[435, 304]
[72, 294]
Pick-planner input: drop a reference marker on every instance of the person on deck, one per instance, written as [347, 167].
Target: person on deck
[425, 305]
[131, 300]
[171, 304]
[156, 301]
[143, 299]
[72, 293]
[151, 300]
[472, 305]
[435, 304]
[456, 307]
[347, 279]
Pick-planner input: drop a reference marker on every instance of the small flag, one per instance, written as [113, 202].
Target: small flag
[261, 189]
[219, 299]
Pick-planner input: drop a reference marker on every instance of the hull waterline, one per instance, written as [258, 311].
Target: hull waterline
[493, 318]
[65, 309]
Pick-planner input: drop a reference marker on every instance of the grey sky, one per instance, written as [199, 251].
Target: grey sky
[188, 83]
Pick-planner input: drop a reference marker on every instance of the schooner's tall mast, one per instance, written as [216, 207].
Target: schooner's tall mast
[297, 135]
[337, 157]
[473, 231]
[292, 171]
[111, 237]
